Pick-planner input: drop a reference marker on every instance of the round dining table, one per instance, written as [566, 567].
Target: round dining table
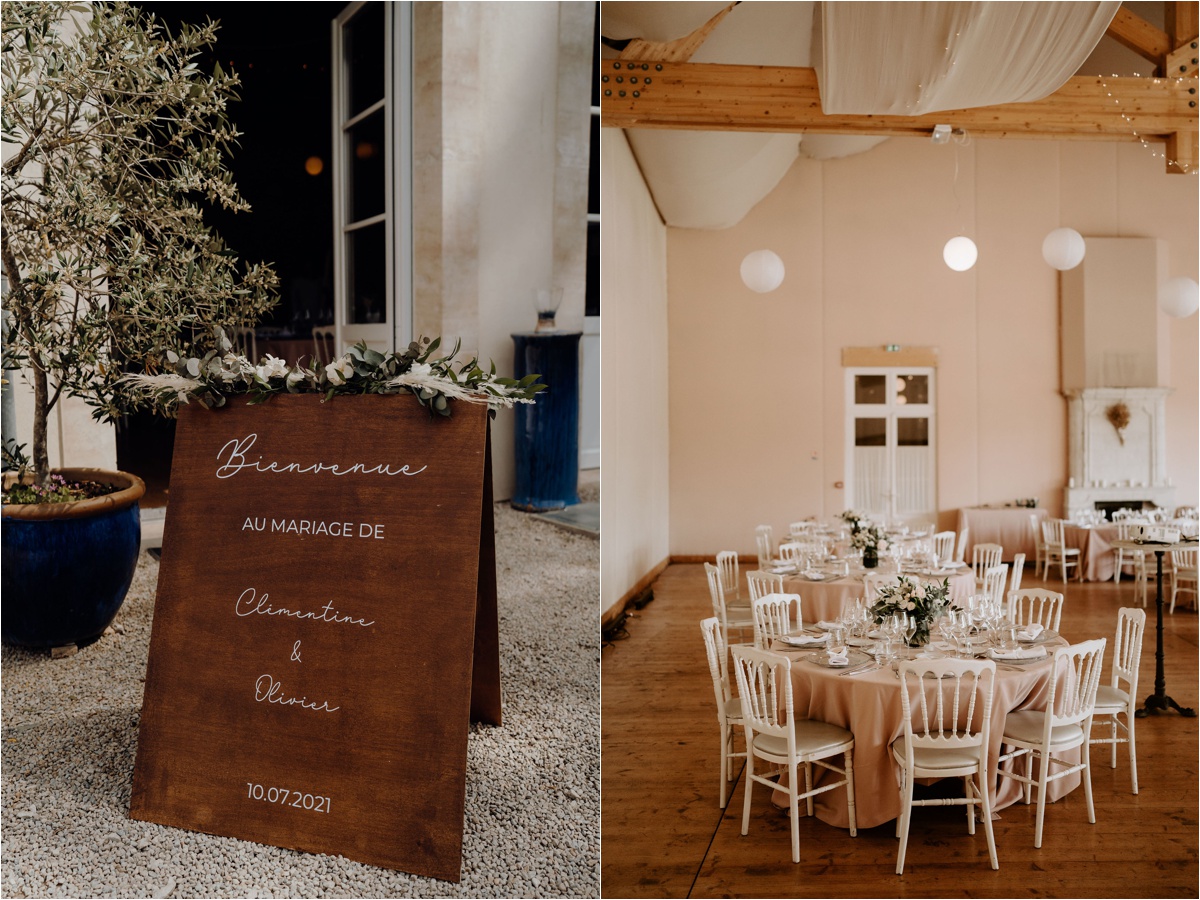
[821, 596]
[868, 704]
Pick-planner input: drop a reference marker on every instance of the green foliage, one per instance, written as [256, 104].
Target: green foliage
[116, 138]
[56, 490]
[434, 381]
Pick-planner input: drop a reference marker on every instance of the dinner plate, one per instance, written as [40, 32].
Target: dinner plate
[793, 640]
[855, 657]
[860, 642]
[1020, 662]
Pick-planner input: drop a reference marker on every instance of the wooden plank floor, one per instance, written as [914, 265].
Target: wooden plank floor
[663, 834]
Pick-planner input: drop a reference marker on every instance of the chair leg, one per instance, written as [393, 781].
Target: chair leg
[795, 808]
[1087, 780]
[850, 793]
[1043, 772]
[985, 805]
[1129, 717]
[969, 807]
[749, 786]
[725, 735]
[1113, 723]
[906, 795]
[1117, 571]
[808, 787]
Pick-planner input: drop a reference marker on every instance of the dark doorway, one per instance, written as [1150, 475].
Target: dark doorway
[281, 52]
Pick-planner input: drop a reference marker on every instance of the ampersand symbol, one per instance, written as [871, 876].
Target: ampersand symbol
[296, 652]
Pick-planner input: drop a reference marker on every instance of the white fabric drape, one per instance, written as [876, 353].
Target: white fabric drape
[913, 58]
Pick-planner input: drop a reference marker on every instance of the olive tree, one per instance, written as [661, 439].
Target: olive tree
[114, 141]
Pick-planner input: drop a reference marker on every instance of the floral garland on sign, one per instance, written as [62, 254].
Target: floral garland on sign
[924, 602]
[218, 375]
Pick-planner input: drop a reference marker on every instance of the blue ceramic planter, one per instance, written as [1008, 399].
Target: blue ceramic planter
[66, 567]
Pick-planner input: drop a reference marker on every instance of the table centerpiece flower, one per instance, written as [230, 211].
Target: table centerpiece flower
[921, 601]
[868, 537]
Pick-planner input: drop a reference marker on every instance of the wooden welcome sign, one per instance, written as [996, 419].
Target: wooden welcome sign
[324, 629]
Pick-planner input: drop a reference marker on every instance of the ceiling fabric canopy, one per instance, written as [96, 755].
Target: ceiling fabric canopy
[914, 58]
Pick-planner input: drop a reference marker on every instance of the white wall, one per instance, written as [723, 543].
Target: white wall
[634, 515]
[756, 390]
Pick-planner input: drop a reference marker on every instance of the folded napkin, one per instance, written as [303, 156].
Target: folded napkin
[828, 626]
[1019, 653]
[804, 640]
[839, 659]
[1030, 632]
[813, 575]
[953, 564]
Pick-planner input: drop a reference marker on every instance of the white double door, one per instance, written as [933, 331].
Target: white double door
[891, 463]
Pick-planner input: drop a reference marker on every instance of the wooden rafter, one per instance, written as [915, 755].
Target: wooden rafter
[1132, 31]
[678, 50]
[711, 97]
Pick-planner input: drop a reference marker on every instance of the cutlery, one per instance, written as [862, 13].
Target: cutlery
[861, 667]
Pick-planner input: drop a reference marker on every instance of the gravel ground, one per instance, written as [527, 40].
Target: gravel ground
[532, 824]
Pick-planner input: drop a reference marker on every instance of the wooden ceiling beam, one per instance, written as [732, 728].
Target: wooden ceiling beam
[1182, 22]
[1132, 31]
[678, 50]
[711, 97]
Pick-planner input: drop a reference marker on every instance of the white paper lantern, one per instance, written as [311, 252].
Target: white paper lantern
[960, 253]
[762, 271]
[1180, 297]
[1063, 248]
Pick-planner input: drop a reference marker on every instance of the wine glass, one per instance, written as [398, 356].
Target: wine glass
[910, 628]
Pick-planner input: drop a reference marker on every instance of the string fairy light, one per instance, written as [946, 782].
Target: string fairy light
[1185, 167]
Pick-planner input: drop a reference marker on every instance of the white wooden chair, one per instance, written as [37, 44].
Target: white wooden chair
[1066, 722]
[801, 530]
[1183, 575]
[727, 562]
[1124, 533]
[729, 707]
[1018, 568]
[773, 618]
[943, 546]
[324, 351]
[775, 736]
[1035, 605]
[946, 707]
[793, 554]
[1113, 700]
[765, 531]
[1057, 551]
[960, 551]
[994, 580]
[1039, 545]
[763, 544]
[761, 583]
[984, 557]
[738, 618]
[872, 582]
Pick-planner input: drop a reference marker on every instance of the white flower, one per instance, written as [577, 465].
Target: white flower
[295, 377]
[911, 605]
[883, 545]
[338, 372]
[919, 591]
[272, 367]
[420, 369]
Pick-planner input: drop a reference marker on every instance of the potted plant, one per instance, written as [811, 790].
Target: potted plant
[113, 137]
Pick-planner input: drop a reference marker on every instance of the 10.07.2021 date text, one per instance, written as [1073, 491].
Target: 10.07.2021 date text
[286, 797]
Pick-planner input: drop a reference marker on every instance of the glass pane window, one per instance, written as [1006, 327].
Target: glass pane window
[870, 389]
[870, 432]
[365, 150]
[364, 48]
[912, 389]
[912, 432]
[366, 266]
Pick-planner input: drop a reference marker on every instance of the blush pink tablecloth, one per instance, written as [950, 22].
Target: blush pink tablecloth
[869, 706]
[1097, 558]
[1007, 526]
[822, 600]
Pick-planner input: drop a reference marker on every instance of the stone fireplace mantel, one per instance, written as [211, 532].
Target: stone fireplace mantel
[1109, 467]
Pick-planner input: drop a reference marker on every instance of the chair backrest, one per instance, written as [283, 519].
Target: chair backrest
[984, 557]
[763, 543]
[717, 594]
[1035, 605]
[762, 583]
[792, 552]
[994, 580]
[1072, 696]
[801, 529]
[872, 582]
[1184, 559]
[764, 683]
[323, 348]
[718, 664]
[943, 545]
[767, 532]
[245, 343]
[961, 550]
[947, 703]
[727, 563]
[1018, 569]
[1127, 648]
[1052, 533]
[773, 618]
[1036, 527]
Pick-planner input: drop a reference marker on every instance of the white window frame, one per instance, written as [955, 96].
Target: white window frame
[397, 215]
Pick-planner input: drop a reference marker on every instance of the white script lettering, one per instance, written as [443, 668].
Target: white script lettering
[232, 459]
[267, 689]
[250, 604]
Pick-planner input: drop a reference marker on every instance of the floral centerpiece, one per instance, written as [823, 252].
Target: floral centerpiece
[919, 600]
[868, 537]
[852, 517]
